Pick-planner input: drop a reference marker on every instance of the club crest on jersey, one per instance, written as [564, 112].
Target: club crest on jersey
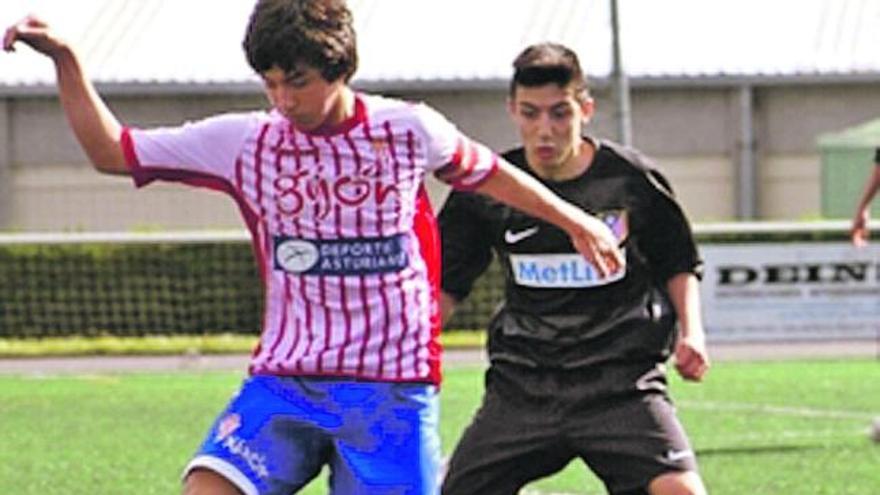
[341, 256]
[383, 154]
[617, 221]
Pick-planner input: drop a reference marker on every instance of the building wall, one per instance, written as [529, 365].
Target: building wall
[5, 164]
[691, 133]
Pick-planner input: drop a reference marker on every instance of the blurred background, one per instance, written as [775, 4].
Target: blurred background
[755, 109]
[763, 115]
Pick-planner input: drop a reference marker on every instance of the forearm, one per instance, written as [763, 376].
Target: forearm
[96, 128]
[516, 188]
[684, 293]
[871, 187]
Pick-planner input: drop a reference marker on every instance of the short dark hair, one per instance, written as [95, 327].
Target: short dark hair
[291, 34]
[549, 63]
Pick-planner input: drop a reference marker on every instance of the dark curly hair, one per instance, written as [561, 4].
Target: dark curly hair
[291, 34]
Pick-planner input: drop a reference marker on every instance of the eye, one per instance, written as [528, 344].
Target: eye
[297, 81]
[560, 113]
[528, 113]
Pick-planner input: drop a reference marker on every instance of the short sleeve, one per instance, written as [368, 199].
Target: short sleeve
[453, 157]
[207, 147]
[668, 241]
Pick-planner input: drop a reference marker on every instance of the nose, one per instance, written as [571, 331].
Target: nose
[284, 99]
[544, 125]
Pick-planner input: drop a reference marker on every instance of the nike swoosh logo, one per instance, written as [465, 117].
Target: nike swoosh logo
[677, 455]
[514, 237]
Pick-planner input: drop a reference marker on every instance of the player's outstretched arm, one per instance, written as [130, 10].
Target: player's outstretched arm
[691, 358]
[859, 232]
[590, 236]
[96, 128]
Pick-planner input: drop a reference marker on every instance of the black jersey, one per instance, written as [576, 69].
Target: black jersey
[557, 311]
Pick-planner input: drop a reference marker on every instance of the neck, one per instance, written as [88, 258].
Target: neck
[573, 166]
[343, 108]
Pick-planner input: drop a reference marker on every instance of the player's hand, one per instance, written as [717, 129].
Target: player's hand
[859, 232]
[595, 241]
[691, 358]
[35, 33]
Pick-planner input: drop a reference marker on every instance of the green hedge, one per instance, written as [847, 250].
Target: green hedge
[128, 290]
[184, 289]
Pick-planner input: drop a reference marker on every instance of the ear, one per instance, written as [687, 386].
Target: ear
[588, 107]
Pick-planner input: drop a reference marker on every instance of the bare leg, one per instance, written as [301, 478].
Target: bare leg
[207, 482]
[677, 483]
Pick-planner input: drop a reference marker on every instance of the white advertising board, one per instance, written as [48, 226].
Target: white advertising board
[790, 291]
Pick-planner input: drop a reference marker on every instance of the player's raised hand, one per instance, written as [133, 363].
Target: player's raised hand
[595, 241]
[35, 33]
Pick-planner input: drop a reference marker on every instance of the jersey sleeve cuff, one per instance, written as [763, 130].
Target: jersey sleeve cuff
[138, 173]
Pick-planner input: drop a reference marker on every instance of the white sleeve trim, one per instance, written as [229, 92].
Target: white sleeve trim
[225, 469]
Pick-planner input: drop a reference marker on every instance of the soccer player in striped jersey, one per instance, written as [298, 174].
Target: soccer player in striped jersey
[577, 358]
[330, 184]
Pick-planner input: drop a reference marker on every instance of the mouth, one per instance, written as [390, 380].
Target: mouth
[545, 152]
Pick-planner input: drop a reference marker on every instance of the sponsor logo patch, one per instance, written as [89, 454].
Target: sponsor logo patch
[558, 271]
[341, 256]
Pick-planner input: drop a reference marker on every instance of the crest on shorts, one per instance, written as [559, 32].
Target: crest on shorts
[227, 426]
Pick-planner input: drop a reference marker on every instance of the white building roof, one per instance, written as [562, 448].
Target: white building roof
[181, 43]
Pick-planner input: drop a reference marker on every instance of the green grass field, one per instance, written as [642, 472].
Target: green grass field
[759, 428]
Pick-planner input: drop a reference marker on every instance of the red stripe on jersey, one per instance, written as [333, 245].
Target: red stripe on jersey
[455, 171]
[258, 168]
[451, 169]
[386, 337]
[469, 183]
[404, 313]
[297, 228]
[302, 281]
[322, 280]
[346, 313]
[379, 153]
[362, 285]
[282, 324]
[425, 227]
[349, 329]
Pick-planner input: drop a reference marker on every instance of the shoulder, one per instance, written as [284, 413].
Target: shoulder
[228, 124]
[516, 156]
[417, 115]
[634, 162]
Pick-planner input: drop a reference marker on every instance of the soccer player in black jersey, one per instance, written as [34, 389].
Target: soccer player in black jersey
[577, 359]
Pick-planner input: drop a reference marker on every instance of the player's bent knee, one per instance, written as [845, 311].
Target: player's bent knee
[678, 483]
[207, 482]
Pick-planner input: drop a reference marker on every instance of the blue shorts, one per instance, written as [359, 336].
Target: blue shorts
[278, 432]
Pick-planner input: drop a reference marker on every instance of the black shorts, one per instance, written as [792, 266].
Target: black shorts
[532, 423]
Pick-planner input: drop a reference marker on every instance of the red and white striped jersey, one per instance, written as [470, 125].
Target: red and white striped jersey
[341, 227]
